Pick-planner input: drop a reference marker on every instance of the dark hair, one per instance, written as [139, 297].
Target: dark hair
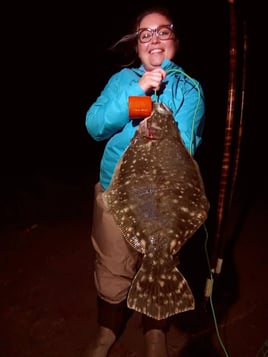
[126, 45]
[156, 9]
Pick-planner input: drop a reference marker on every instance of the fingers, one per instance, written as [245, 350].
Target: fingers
[152, 79]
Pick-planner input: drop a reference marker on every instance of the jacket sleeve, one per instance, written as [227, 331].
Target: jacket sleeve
[190, 116]
[109, 113]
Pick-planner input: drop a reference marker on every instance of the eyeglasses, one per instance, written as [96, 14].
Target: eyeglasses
[163, 32]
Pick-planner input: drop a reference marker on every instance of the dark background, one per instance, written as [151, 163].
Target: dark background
[55, 63]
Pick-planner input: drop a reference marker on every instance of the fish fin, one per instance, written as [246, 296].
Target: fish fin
[159, 294]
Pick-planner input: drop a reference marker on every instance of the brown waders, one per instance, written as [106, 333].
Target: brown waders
[115, 267]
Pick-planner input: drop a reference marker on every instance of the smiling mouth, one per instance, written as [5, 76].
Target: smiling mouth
[156, 51]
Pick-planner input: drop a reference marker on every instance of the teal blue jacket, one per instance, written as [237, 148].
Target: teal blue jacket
[108, 118]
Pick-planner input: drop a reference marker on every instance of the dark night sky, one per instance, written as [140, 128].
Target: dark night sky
[56, 63]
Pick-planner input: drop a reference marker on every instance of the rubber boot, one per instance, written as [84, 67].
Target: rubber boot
[112, 319]
[156, 343]
[155, 335]
[101, 346]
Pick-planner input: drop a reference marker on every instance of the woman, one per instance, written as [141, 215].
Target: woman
[155, 44]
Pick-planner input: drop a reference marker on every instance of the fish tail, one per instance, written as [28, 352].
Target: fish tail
[160, 293]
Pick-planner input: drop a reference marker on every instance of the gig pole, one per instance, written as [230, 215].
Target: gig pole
[224, 185]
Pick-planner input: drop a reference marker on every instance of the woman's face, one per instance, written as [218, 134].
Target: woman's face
[153, 52]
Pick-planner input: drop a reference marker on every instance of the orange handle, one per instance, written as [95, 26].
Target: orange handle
[139, 107]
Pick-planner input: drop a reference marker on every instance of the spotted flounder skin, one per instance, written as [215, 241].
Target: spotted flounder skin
[158, 200]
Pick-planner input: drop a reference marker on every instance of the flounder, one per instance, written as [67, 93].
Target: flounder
[158, 200]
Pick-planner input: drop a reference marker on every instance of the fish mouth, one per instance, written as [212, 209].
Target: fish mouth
[150, 131]
[152, 135]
